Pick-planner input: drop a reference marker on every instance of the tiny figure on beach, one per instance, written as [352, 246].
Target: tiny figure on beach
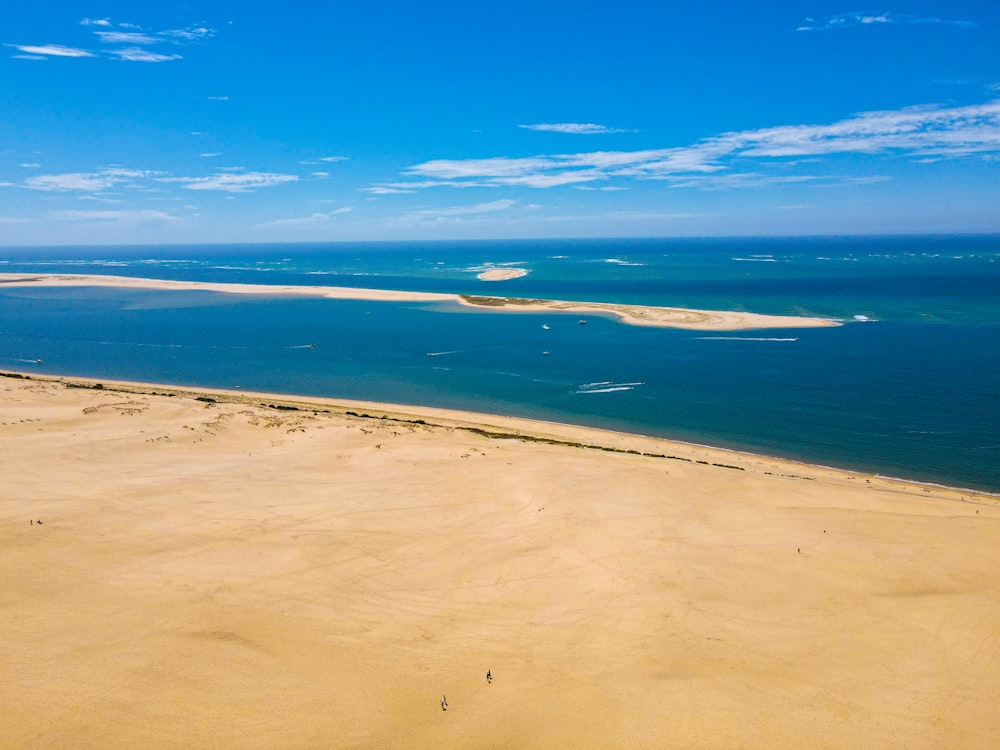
[39, 522]
[799, 550]
[444, 703]
[489, 677]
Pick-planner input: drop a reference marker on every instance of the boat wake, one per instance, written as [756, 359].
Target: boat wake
[606, 386]
[742, 338]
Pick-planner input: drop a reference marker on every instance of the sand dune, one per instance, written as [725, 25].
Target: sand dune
[253, 571]
[644, 315]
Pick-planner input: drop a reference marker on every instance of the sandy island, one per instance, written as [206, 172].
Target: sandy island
[243, 570]
[501, 274]
[643, 315]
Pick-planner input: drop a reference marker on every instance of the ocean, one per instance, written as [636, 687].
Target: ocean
[907, 387]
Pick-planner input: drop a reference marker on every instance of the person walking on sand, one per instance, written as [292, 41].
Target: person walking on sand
[444, 703]
[489, 677]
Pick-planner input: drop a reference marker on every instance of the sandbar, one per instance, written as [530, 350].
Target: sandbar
[251, 570]
[642, 315]
[501, 274]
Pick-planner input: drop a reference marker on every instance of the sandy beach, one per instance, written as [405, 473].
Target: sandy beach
[246, 570]
[666, 317]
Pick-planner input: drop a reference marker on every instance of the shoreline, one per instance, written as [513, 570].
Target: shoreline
[501, 427]
[639, 315]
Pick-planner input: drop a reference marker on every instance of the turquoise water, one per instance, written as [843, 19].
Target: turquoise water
[912, 394]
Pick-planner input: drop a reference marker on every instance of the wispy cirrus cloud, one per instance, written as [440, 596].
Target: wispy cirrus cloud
[42, 51]
[951, 132]
[453, 211]
[856, 20]
[189, 34]
[575, 128]
[305, 222]
[387, 190]
[125, 216]
[85, 181]
[233, 182]
[133, 35]
[124, 37]
[137, 54]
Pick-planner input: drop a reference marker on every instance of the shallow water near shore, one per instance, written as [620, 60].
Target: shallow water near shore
[912, 395]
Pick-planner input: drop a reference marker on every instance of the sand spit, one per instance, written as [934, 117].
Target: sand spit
[256, 571]
[665, 317]
[658, 317]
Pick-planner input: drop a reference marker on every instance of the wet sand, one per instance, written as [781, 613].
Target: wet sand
[257, 571]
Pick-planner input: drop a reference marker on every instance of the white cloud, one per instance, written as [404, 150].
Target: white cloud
[14, 220]
[30, 165]
[136, 54]
[334, 158]
[320, 174]
[233, 182]
[85, 181]
[315, 220]
[479, 208]
[917, 131]
[218, 98]
[128, 217]
[380, 190]
[51, 50]
[854, 20]
[71, 181]
[190, 34]
[211, 155]
[124, 37]
[116, 171]
[99, 198]
[95, 22]
[576, 128]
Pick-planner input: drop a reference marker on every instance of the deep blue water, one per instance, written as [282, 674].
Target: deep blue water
[914, 394]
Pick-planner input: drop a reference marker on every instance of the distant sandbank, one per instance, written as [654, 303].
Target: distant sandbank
[186, 567]
[501, 274]
[642, 315]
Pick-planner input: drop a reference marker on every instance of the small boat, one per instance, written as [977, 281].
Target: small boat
[545, 353]
[545, 326]
[583, 322]
[312, 346]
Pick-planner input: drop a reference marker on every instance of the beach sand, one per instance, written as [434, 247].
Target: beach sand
[664, 317]
[253, 571]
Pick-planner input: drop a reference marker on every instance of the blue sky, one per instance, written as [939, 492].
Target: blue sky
[245, 121]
